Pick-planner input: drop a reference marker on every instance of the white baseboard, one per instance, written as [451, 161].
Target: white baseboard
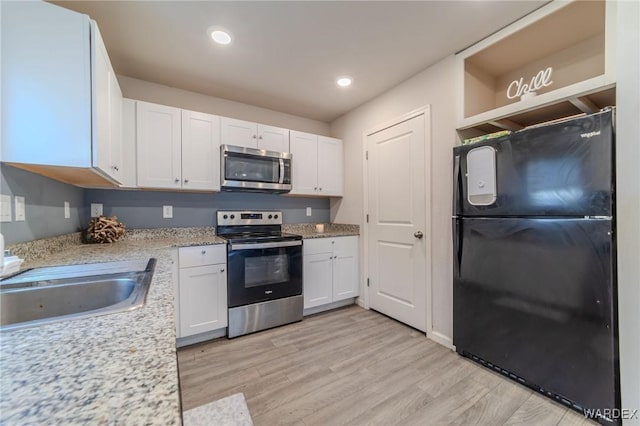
[360, 302]
[442, 339]
[328, 307]
[202, 337]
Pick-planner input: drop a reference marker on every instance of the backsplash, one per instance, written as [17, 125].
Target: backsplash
[143, 209]
[44, 209]
[45, 199]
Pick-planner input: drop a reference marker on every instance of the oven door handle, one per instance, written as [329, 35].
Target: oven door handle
[257, 246]
[281, 180]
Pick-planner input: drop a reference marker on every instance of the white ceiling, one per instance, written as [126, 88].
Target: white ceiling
[287, 55]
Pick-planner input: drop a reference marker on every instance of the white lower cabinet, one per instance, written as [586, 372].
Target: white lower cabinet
[330, 270]
[201, 293]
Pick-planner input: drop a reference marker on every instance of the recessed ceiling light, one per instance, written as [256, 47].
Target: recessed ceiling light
[221, 37]
[344, 82]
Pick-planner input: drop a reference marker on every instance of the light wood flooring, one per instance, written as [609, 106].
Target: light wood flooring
[357, 367]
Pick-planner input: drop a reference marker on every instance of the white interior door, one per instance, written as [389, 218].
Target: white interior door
[397, 219]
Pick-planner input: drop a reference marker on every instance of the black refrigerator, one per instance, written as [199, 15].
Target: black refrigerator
[534, 287]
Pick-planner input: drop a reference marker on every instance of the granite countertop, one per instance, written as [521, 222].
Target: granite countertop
[116, 368]
[308, 230]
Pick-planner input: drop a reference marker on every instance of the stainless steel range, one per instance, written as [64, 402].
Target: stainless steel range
[264, 264]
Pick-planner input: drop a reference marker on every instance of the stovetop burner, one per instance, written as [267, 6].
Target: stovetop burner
[252, 226]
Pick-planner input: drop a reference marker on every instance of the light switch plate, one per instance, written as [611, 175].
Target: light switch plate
[67, 210]
[308, 211]
[5, 208]
[96, 209]
[20, 208]
[167, 212]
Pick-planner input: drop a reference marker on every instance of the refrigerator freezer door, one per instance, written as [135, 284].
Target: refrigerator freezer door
[563, 169]
[536, 297]
[481, 176]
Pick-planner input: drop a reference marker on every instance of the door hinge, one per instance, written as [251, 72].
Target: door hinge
[367, 217]
[368, 283]
[366, 155]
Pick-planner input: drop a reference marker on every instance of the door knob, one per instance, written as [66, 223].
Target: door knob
[418, 235]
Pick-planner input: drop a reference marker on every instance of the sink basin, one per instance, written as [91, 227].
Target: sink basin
[44, 295]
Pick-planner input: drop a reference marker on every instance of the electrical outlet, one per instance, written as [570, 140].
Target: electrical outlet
[167, 212]
[308, 211]
[67, 210]
[96, 209]
[5, 208]
[20, 209]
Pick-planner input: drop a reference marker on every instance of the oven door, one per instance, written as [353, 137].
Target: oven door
[263, 271]
[255, 170]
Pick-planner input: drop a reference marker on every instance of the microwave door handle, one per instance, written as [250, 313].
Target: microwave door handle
[281, 180]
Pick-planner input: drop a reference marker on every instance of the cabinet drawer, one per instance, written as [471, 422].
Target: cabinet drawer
[202, 255]
[318, 245]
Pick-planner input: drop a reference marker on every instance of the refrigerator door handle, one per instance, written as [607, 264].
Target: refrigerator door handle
[456, 225]
[456, 185]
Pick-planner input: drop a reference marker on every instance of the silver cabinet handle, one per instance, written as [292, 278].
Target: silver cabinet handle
[260, 137]
[115, 168]
[186, 181]
[222, 270]
[418, 235]
[177, 180]
[254, 136]
[320, 189]
[315, 188]
[204, 252]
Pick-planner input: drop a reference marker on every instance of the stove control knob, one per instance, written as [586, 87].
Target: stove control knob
[225, 217]
[275, 217]
[233, 216]
[270, 216]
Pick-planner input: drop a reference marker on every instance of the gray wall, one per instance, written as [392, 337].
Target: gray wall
[143, 209]
[44, 199]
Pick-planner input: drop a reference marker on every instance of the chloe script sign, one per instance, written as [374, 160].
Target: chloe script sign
[520, 89]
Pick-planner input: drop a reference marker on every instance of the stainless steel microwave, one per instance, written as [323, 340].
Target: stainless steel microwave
[256, 170]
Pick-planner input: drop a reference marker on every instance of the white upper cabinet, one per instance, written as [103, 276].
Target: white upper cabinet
[129, 166]
[159, 151]
[59, 95]
[330, 166]
[107, 156]
[239, 133]
[304, 165]
[254, 135]
[200, 151]
[273, 138]
[177, 149]
[317, 165]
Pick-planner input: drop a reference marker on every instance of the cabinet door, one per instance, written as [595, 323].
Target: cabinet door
[317, 287]
[115, 117]
[128, 175]
[46, 85]
[202, 299]
[200, 151]
[107, 112]
[158, 146]
[304, 165]
[345, 268]
[102, 108]
[273, 138]
[330, 166]
[239, 133]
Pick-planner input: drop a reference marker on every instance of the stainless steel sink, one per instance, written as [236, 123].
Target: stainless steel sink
[44, 295]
